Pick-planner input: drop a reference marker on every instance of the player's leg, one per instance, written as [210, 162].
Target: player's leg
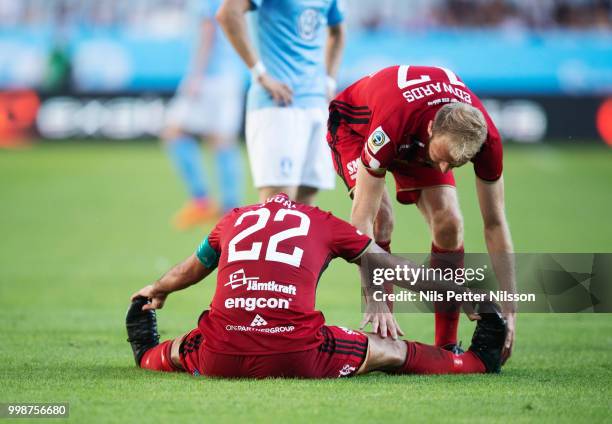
[276, 144]
[186, 155]
[224, 109]
[164, 357]
[229, 169]
[384, 223]
[383, 230]
[341, 354]
[406, 357]
[267, 192]
[440, 208]
[317, 169]
[306, 195]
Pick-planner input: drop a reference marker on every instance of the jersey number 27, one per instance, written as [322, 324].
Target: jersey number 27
[404, 82]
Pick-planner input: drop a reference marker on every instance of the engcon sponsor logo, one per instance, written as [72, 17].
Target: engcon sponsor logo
[252, 303]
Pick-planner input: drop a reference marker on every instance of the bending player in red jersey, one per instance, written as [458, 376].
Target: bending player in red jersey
[262, 320]
[418, 123]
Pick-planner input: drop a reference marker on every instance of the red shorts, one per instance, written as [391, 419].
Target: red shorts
[341, 354]
[346, 147]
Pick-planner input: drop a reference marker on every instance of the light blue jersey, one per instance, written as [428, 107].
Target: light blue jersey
[223, 61]
[290, 37]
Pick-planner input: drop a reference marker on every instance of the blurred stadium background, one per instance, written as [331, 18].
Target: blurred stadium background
[86, 194]
[104, 69]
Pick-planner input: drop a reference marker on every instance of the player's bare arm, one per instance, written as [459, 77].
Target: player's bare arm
[187, 273]
[192, 82]
[372, 214]
[372, 211]
[231, 17]
[201, 57]
[377, 313]
[499, 245]
[333, 56]
[368, 194]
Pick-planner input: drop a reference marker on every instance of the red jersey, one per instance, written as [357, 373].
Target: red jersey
[271, 257]
[392, 108]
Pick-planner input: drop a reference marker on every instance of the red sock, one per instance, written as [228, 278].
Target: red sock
[446, 313]
[427, 359]
[388, 287]
[158, 358]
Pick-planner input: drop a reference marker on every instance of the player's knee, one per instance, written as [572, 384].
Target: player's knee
[396, 353]
[447, 229]
[171, 133]
[175, 351]
[221, 142]
[384, 354]
[266, 192]
[306, 195]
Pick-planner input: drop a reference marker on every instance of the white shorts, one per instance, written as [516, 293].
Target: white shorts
[287, 148]
[215, 109]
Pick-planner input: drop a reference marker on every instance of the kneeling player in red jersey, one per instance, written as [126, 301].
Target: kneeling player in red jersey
[262, 320]
[418, 123]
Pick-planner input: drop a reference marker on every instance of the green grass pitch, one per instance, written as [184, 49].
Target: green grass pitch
[82, 226]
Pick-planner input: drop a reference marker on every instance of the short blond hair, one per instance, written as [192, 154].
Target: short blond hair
[465, 125]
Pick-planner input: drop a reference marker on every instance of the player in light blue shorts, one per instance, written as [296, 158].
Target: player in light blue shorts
[209, 103]
[298, 46]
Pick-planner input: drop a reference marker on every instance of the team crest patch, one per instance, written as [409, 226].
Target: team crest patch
[377, 140]
[309, 23]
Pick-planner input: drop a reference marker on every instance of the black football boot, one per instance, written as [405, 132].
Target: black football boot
[141, 328]
[489, 336]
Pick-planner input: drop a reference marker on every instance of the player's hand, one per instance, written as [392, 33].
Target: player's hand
[331, 88]
[382, 319]
[468, 308]
[509, 343]
[281, 93]
[157, 298]
[509, 316]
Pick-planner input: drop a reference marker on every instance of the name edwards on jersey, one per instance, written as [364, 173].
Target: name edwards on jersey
[453, 87]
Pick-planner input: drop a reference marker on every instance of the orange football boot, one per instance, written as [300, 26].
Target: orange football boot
[194, 213]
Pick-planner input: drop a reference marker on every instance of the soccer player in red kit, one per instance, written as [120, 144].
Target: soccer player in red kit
[262, 320]
[418, 123]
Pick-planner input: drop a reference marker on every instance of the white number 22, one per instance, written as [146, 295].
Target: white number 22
[273, 255]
